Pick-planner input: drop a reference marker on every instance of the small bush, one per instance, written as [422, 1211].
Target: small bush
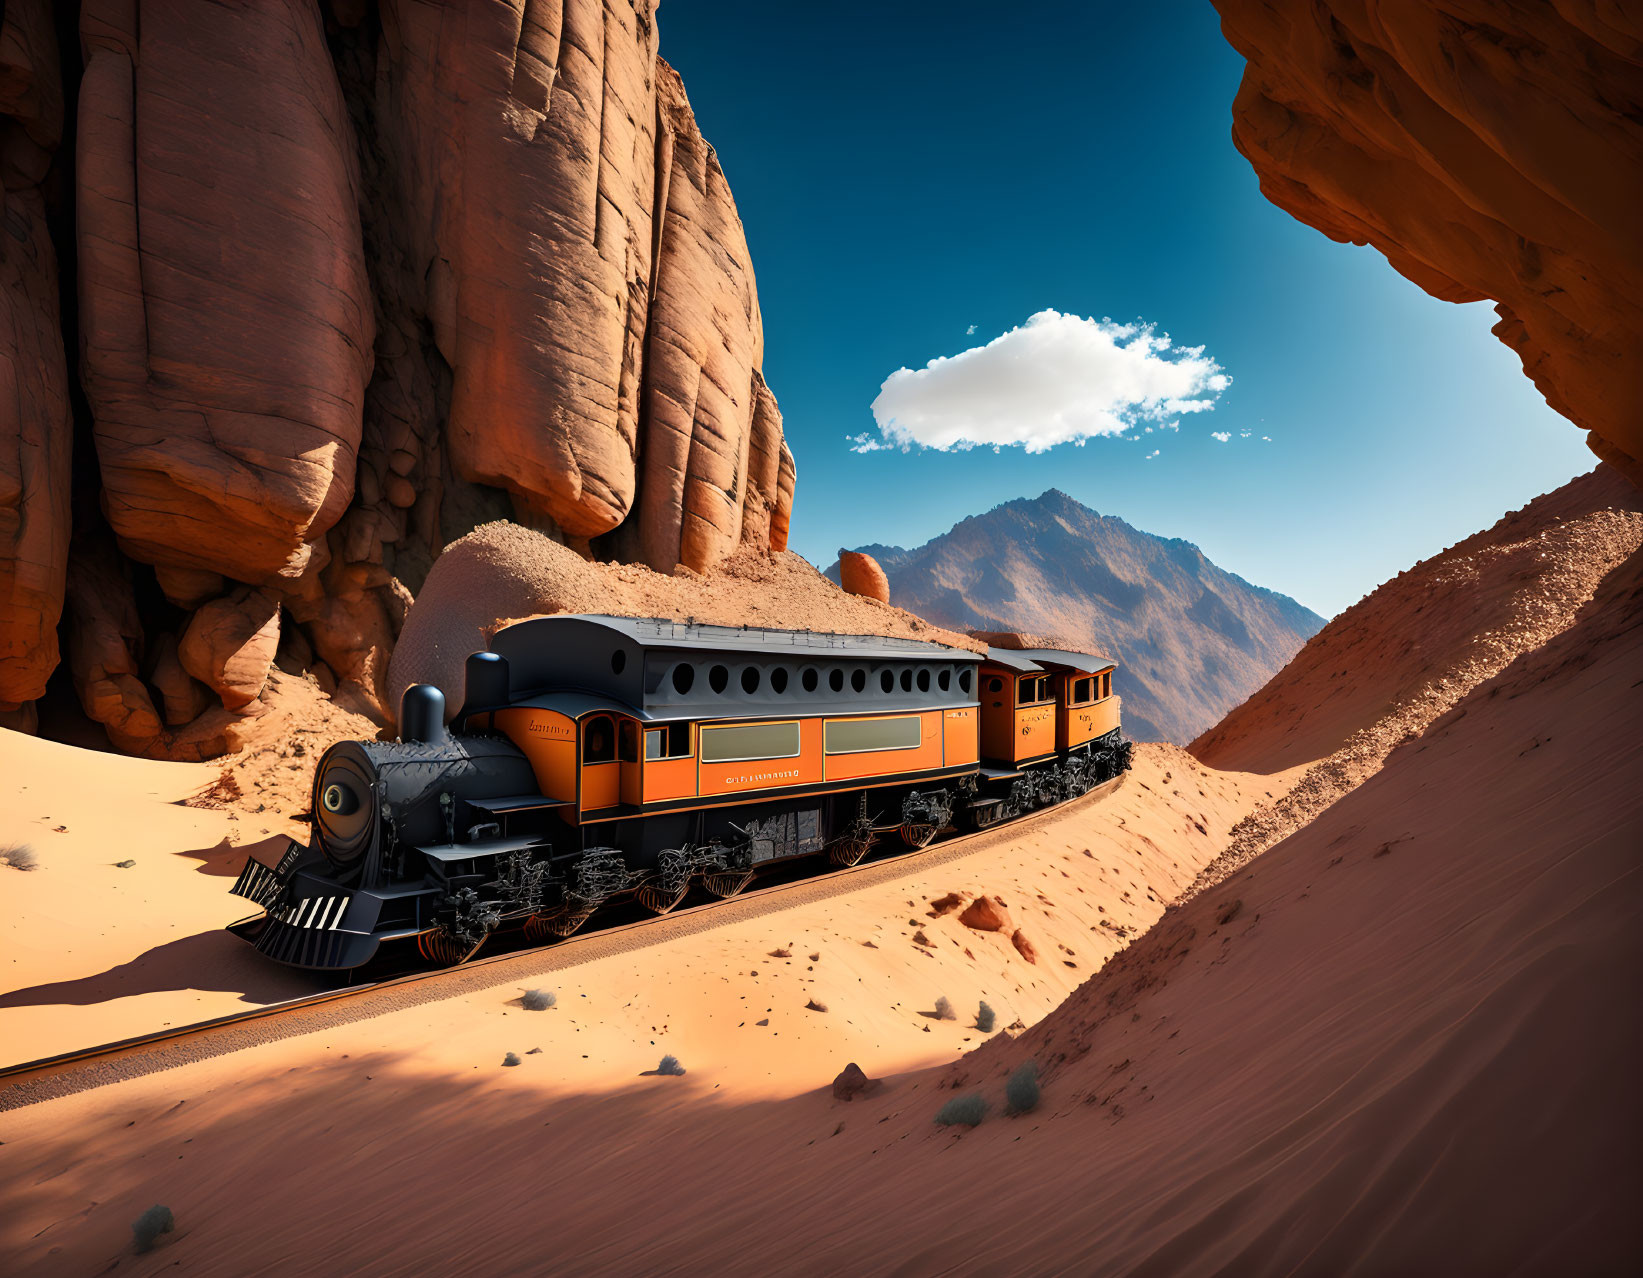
[20, 857]
[944, 1010]
[963, 1111]
[1022, 1090]
[512, 1058]
[148, 1227]
[670, 1065]
[538, 1000]
[985, 1018]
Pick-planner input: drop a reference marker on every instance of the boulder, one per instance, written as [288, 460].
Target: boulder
[861, 575]
[185, 698]
[1023, 946]
[852, 1082]
[1489, 150]
[986, 914]
[230, 643]
[225, 313]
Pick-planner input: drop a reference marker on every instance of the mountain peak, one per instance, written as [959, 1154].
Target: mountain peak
[1192, 640]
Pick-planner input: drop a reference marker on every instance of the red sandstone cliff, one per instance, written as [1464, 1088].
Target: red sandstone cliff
[347, 281]
[1490, 150]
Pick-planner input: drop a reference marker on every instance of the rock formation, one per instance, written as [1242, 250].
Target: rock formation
[35, 428]
[1490, 150]
[351, 280]
[860, 574]
[1192, 640]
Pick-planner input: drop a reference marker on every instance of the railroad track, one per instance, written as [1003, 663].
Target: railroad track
[32, 1082]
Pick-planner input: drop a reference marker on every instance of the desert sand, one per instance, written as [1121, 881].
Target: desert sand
[1402, 1038]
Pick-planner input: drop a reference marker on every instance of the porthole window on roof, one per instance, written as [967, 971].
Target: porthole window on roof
[810, 678]
[618, 660]
[944, 680]
[778, 680]
[887, 681]
[683, 677]
[906, 680]
[858, 679]
[964, 680]
[835, 679]
[924, 681]
[750, 679]
[718, 678]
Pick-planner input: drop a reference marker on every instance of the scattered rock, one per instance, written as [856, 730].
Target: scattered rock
[852, 1082]
[1229, 911]
[512, 1058]
[783, 952]
[814, 1006]
[124, 865]
[945, 904]
[766, 1021]
[986, 914]
[1023, 946]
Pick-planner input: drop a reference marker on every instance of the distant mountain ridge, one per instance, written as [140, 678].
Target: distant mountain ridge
[1192, 639]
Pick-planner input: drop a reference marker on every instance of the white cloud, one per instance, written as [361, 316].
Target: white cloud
[1151, 455]
[1266, 439]
[971, 331]
[1057, 379]
[1221, 435]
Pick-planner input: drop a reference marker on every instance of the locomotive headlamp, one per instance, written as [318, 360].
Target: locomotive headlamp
[339, 799]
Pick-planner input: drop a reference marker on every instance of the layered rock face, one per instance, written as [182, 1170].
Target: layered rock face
[351, 280]
[1490, 150]
[35, 429]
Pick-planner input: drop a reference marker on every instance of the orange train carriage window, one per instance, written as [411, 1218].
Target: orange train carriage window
[747, 742]
[1106, 684]
[1031, 691]
[862, 736]
[598, 740]
[1083, 691]
[627, 741]
[671, 742]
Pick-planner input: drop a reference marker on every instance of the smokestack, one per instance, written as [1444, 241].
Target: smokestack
[422, 714]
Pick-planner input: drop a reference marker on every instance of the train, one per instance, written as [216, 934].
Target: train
[597, 759]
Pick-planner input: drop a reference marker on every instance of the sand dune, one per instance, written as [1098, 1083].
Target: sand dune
[1402, 1040]
[884, 960]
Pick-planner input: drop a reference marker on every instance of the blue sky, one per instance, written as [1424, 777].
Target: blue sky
[906, 171]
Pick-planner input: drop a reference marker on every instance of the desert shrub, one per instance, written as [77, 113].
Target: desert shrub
[963, 1111]
[148, 1227]
[20, 856]
[670, 1065]
[538, 1000]
[1022, 1090]
[944, 1010]
[512, 1058]
[985, 1018]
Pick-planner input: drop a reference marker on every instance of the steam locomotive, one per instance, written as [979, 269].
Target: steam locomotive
[601, 758]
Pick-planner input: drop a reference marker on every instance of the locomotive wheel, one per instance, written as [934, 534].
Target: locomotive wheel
[445, 950]
[848, 852]
[658, 900]
[541, 927]
[918, 834]
[727, 883]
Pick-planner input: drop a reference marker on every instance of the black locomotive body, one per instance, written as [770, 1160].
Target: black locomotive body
[596, 758]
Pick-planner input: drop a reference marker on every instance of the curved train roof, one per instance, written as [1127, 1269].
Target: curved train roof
[1027, 660]
[668, 670]
[658, 632]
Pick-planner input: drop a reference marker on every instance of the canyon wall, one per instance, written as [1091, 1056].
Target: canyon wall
[341, 282]
[1489, 150]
